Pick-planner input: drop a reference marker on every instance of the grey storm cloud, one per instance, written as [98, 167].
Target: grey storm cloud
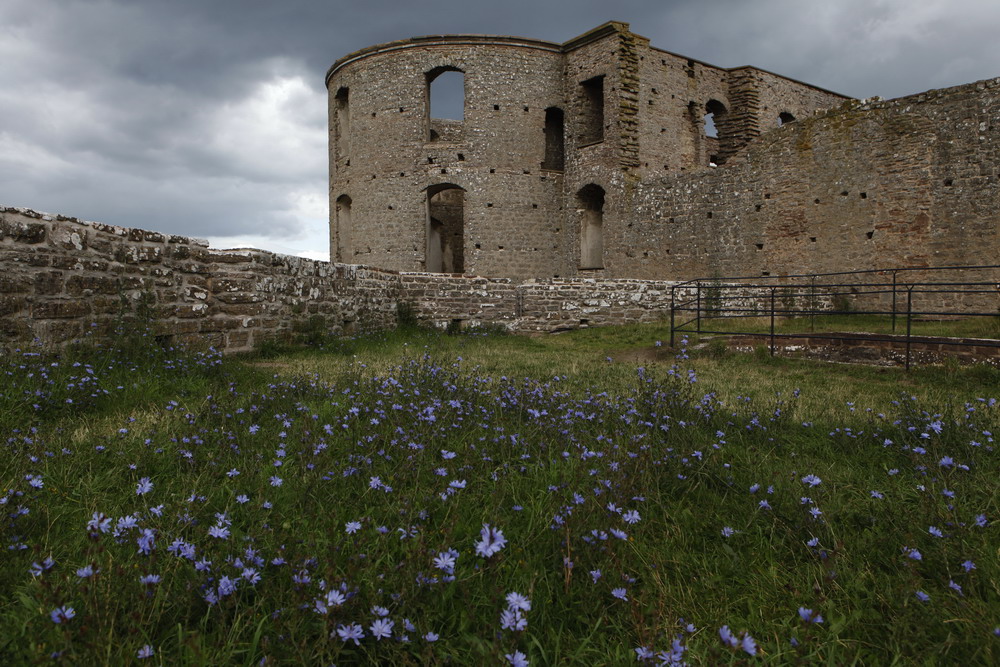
[208, 117]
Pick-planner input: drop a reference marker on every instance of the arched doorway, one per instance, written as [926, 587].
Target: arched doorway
[445, 229]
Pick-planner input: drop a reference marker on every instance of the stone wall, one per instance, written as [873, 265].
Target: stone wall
[912, 182]
[63, 279]
[535, 305]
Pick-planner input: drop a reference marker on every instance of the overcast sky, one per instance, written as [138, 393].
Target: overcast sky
[207, 118]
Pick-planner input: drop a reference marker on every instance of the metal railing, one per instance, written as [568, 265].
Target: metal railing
[903, 295]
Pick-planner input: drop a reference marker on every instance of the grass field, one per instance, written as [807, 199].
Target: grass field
[417, 498]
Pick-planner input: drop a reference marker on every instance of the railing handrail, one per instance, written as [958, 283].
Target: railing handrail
[717, 279]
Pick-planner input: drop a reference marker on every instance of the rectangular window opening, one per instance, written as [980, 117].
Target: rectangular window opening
[592, 111]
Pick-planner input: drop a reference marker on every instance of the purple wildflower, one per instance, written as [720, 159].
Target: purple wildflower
[517, 601]
[492, 541]
[221, 532]
[145, 652]
[62, 614]
[352, 631]
[619, 593]
[445, 561]
[513, 619]
[99, 523]
[517, 659]
[809, 616]
[147, 541]
[143, 487]
[381, 628]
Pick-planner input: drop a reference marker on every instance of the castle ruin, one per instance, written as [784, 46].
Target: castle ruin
[605, 157]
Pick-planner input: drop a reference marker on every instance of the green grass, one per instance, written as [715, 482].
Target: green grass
[535, 436]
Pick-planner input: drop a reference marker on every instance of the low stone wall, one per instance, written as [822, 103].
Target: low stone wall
[877, 349]
[535, 305]
[63, 279]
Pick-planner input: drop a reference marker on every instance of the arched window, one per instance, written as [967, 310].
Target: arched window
[445, 103]
[591, 203]
[445, 229]
[784, 118]
[555, 156]
[345, 248]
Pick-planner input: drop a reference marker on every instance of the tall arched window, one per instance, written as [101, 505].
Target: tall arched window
[591, 208]
[345, 247]
[445, 229]
[445, 103]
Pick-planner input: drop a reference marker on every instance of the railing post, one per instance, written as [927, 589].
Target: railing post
[812, 304]
[894, 301]
[697, 306]
[673, 309]
[909, 321]
[773, 290]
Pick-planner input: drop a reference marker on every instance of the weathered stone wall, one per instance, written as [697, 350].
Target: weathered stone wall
[882, 184]
[536, 306]
[63, 279]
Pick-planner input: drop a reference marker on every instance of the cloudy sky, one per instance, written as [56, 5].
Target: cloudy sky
[207, 118]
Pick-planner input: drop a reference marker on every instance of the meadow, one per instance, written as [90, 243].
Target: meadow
[412, 497]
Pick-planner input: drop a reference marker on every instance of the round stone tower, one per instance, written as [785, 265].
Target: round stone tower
[482, 194]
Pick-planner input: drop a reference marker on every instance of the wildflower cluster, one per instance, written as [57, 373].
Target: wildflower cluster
[413, 516]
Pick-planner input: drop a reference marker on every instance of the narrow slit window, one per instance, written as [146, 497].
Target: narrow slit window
[345, 248]
[555, 156]
[342, 108]
[592, 116]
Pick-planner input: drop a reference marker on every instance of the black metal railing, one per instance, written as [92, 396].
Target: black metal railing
[909, 294]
